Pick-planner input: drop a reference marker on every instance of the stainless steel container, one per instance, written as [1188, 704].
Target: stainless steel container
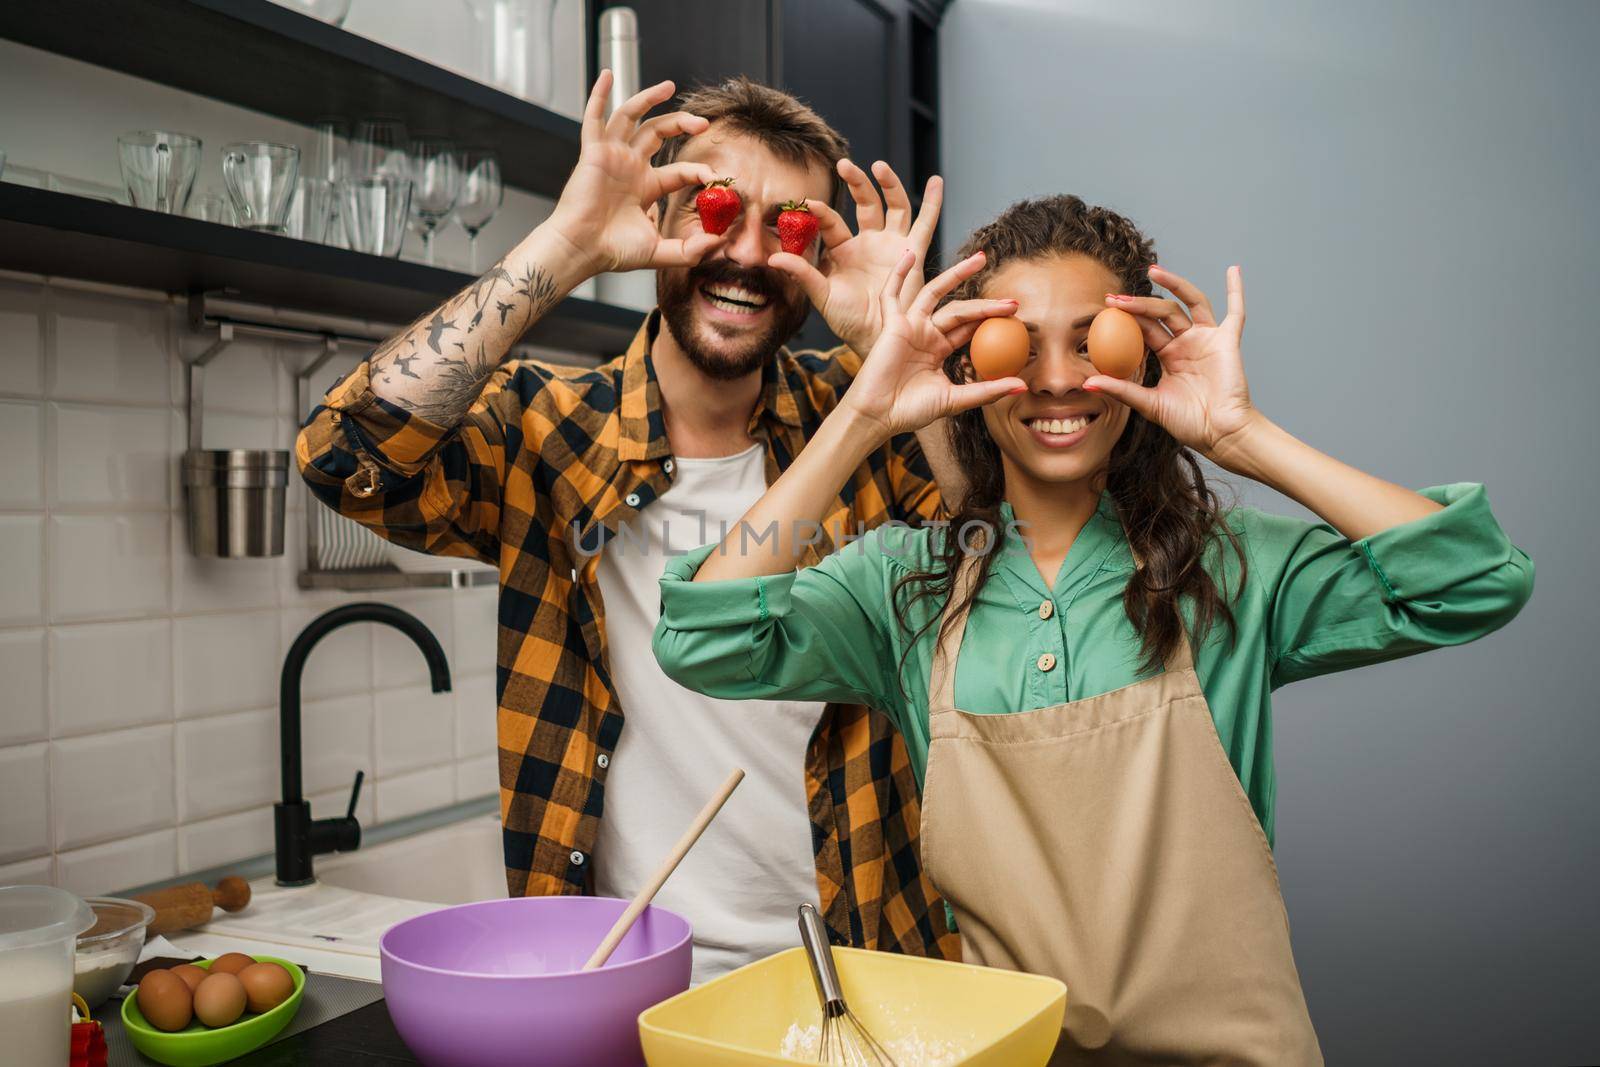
[236, 501]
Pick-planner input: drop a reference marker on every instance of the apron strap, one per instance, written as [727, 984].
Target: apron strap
[952, 627]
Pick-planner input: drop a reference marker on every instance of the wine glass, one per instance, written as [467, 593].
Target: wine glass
[435, 184]
[481, 194]
[379, 147]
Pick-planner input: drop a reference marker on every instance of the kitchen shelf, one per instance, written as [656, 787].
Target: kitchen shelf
[260, 55]
[52, 233]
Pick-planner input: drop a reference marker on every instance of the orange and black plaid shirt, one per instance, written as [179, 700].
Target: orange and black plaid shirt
[547, 465]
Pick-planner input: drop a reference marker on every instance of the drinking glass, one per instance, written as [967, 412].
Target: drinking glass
[435, 185]
[260, 179]
[158, 168]
[374, 209]
[481, 194]
[310, 209]
[328, 159]
[212, 207]
[517, 38]
[379, 147]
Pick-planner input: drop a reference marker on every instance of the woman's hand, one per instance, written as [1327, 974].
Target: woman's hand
[902, 386]
[1202, 398]
[604, 213]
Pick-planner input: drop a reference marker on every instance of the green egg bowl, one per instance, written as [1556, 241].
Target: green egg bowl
[200, 1046]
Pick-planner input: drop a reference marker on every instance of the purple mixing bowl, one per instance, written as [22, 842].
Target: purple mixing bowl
[498, 982]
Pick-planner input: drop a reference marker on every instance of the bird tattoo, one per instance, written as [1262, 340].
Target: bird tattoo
[436, 328]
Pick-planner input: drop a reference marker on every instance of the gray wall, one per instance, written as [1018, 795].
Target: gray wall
[1411, 190]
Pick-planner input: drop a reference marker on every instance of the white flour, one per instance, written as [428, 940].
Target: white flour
[908, 1050]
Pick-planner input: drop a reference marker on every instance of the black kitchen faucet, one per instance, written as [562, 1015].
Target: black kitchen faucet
[297, 836]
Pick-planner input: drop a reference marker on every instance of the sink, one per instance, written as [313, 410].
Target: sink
[333, 925]
[456, 864]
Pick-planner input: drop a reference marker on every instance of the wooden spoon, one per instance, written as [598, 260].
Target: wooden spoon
[642, 899]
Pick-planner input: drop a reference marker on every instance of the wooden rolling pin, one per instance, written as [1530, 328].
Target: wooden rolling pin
[183, 907]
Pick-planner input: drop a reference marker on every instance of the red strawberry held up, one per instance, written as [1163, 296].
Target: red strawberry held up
[797, 227]
[718, 205]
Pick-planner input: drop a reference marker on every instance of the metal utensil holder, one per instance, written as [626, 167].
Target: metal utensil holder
[234, 496]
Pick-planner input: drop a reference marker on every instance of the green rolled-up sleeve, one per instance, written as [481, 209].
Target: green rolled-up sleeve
[1445, 579]
[822, 633]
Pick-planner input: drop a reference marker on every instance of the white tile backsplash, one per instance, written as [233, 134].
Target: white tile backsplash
[336, 741]
[110, 457]
[227, 763]
[340, 663]
[408, 794]
[109, 785]
[92, 666]
[227, 662]
[22, 706]
[108, 566]
[415, 728]
[476, 714]
[21, 569]
[397, 661]
[24, 792]
[119, 864]
[208, 584]
[22, 356]
[216, 842]
[476, 630]
[110, 349]
[22, 445]
[477, 778]
[138, 683]
[244, 378]
[38, 871]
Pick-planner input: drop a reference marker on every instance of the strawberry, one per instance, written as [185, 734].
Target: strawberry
[797, 227]
[718, 205]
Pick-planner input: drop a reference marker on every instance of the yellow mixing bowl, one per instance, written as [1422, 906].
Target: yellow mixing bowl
[958, 1014]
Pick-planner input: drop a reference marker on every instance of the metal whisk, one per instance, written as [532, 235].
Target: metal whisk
[845, 1042]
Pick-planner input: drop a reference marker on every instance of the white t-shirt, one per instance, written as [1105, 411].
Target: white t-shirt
[741, 884]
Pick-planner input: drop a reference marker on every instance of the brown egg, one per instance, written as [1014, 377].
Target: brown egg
[999, 348]
[232, 963]
[266, 985]
[165, 1001]
[220, 1000]
[1116, 343]
[192, 976]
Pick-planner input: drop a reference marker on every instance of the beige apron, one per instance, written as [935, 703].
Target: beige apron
[1107, 842]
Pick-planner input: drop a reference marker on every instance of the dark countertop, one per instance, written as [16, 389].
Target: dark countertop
[364, 1036]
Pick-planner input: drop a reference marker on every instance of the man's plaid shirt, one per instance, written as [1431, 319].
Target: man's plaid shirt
[549, 463]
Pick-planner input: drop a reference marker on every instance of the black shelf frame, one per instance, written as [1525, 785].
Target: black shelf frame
[260, 55]
[52, 233]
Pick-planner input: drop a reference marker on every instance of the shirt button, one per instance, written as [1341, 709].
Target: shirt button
[632, 500]
[1047, 662]
[1047, 608]
[576, 858]
[667, 466]
[603, 760]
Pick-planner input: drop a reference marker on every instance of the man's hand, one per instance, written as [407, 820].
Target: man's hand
[604, 211]
[845, 283]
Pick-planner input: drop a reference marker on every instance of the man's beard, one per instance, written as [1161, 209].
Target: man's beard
[718, 356]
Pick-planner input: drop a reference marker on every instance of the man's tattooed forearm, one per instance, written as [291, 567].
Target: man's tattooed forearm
[539, 289]
[426, 352]
[456, 383]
